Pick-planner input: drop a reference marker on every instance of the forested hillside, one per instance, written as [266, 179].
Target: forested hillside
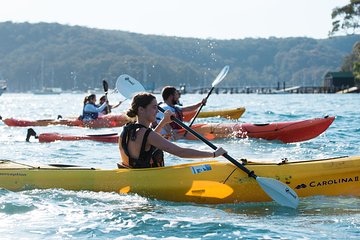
[71, 57]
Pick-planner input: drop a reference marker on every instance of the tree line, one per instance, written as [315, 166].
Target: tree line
[39, 55]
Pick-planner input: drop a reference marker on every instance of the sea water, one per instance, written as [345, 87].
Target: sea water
[59, 214]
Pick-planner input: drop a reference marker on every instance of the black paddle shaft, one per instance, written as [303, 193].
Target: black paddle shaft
[198, 111]
[197, 135]
[105, 86]
[106, 89]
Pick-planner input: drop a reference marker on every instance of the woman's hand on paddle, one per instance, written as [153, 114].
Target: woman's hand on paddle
[220, 151]
[167, 116]
[203, 102]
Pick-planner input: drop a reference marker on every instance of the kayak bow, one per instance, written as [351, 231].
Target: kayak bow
[286, 132]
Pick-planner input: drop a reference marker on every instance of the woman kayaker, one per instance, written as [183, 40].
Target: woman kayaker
[171, 98]
[141, 147]
[91, 110]
[109, 107]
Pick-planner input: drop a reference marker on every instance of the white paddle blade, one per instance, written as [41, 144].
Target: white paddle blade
[220, 76]
[279, 192]
[128, 86]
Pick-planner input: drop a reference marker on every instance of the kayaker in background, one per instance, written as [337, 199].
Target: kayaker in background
[109, 107]
[171, 98]
[142, 147]
[91, 110]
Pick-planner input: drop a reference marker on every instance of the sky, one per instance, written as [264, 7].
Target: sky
[214, 19]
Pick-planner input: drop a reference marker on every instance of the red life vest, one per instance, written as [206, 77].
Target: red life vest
[179, 115]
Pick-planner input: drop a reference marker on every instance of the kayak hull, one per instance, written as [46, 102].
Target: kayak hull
[107, 121]
[210, 182]
[52, 137]
[235, 113]
[286, 132]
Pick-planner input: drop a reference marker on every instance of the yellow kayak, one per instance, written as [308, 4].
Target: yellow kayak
[234, 113]
[210, 182]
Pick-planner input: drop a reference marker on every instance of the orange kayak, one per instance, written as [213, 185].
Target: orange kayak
[286, 132]
[107, 121]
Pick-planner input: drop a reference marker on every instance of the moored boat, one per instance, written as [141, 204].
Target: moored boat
[3, 86]
[211, 182]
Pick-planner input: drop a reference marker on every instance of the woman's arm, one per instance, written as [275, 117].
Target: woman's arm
[116, 105]
[92, 108]
[161, 143]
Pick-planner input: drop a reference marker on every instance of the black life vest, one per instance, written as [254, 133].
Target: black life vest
[147, 159]
[106, 110]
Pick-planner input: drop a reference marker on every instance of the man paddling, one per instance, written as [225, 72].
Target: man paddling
[109, 107]
[171, 98]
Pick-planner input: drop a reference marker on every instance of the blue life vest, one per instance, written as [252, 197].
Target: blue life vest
[89, 115]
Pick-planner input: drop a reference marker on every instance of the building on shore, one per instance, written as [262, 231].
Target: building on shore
[339, 81]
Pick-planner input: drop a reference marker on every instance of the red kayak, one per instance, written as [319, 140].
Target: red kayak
[52, 137]
[107, 121]
[286, 132]
[119, 120]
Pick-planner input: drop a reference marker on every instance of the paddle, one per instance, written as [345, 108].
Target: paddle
[106, 89]
[31, 133]
[217, 80]
[128, 86]
[277, 190]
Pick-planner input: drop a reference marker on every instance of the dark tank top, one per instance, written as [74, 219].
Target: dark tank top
[147, 159]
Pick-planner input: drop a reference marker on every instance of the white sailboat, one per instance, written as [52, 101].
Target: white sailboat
[46, 90]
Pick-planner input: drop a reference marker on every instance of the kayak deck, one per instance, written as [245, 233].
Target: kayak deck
[211, 182]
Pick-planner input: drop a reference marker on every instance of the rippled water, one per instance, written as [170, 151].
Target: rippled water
[60, 214]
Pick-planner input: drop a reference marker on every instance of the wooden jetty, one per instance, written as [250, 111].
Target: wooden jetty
[271, 90]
